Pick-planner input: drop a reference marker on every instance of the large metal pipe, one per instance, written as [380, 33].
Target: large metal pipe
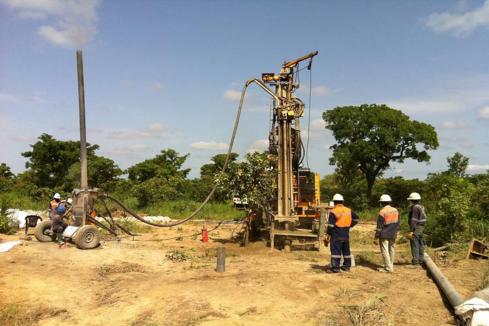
[448, 290]
[83, 131]
[83, 136]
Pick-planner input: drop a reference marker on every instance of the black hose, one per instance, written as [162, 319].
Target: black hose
[211, 193]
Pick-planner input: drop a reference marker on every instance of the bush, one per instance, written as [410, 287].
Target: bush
[7, 225]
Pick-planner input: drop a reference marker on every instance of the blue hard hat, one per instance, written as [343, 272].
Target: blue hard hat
[61, 210]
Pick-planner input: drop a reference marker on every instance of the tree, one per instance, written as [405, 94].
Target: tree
[369, 137]
[166, 165]
[50, 159]
[210, 171]
[457, 164]
[5, 171]
[160, 178]
[6, 177]
[103, 173]
[252, 179]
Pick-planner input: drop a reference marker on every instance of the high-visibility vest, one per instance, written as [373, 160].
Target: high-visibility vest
[342, 215]
[390, 215]
[53, 204]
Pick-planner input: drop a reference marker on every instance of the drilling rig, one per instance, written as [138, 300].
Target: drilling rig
[296, 213]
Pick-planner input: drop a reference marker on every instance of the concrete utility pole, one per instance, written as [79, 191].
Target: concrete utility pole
[83, 132]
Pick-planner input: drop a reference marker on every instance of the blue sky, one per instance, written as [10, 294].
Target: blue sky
[167, 74]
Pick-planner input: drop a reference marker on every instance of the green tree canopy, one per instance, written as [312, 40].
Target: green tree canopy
[6, 177]
[210, 172]
[166, 165]
[369, 137]
[50, 159]
[5, 171]
[103, 173]
[160, 178]
[457, 164]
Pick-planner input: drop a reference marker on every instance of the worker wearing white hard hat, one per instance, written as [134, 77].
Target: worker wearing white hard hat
[386, 232]
[53, 205]
[416, 221]
[341, 219]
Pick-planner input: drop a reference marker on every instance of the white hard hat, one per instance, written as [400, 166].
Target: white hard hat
[385, 198]
[57, 196]
[337, 197]
[414, 196]
[69, 201]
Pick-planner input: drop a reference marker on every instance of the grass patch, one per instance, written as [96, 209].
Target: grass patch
[177, 256]
[182, 208]
[368, 313]
[484, 283]
[134, 226]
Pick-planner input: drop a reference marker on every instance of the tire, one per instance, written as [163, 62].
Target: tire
[87, 237]
[41, 231]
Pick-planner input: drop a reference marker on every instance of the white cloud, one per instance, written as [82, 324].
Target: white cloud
[319, 90]
[412, 105]
[156, 87]
[484, 112]
[457, 94]
[11, 99]
[73, 20]
[156, 127]
[155, 130]
[232, 95]
[317, 124]
[477, 167]
[134, 151]
[209, 145]
[260, 145]
[454, 125]
[459, 23]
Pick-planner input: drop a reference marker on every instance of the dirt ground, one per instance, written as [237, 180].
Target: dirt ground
[153, 281]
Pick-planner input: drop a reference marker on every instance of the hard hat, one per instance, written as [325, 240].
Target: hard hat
[57, 196]
[338, 197]
[414, 196]
[61, 210]
[69, 201]
[385, 198]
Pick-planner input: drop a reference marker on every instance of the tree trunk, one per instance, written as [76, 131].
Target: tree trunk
[370, 186]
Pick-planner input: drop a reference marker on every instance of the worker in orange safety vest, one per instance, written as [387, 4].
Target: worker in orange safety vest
[341, 219]
[53, 205]
[386, 232]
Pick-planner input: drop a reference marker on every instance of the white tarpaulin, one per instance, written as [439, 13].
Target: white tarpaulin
[18, 216]
[6, 246]
[478, 307]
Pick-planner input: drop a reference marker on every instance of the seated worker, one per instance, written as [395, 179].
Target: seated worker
[59, 224]
[53, 205]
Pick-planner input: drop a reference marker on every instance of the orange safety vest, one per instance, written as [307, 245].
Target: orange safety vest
[53, 204]
[342, 215]
[390, 215]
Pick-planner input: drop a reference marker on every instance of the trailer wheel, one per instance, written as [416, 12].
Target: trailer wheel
[87, 237]
[43, 232]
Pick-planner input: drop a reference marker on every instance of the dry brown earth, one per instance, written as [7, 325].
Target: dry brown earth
[135, 283]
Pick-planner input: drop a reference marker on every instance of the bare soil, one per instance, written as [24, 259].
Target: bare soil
[153, 281]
